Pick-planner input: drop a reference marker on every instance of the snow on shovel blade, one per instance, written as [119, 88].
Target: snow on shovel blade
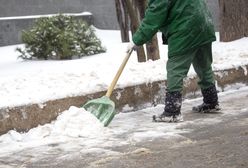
[103, 108]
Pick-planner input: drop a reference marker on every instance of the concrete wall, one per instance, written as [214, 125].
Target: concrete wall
[102, 10]
[11, 29]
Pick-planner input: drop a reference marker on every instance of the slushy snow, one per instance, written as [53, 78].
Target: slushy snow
[79, 130]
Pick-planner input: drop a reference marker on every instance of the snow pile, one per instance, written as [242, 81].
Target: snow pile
[48, 15]
[73, 123]
[230, 54]
[80, 130]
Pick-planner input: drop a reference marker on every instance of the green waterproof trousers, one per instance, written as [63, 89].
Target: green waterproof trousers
[178, 67]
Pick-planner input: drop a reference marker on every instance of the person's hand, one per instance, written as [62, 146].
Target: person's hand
[131, 46]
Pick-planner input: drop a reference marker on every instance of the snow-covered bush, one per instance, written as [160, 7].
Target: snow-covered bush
[59, 37]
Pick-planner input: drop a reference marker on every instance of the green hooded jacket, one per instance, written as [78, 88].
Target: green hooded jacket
[185, 23]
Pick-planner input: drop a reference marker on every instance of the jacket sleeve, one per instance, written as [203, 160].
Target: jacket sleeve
[155, 18]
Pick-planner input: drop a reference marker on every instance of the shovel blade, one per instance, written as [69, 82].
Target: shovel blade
[103, 108]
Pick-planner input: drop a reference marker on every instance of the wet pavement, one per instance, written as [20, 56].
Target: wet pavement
[202, 140]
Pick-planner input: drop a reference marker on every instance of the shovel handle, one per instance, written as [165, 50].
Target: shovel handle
[118, 74]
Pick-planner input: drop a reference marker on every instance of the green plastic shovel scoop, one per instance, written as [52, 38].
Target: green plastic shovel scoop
[104, 108]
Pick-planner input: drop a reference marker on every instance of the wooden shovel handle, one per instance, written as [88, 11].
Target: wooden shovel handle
[118, 74]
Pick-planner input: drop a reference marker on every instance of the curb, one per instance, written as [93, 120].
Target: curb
[131, 98]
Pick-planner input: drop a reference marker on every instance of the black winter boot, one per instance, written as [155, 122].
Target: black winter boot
[210, 101]
[172, 109]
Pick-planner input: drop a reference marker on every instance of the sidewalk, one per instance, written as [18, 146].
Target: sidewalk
[201, 141]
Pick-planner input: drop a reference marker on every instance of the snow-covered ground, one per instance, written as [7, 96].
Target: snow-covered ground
[27, 82]
[77, 131]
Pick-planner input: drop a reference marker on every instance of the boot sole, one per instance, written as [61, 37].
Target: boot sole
[215, 110]
[167, 119]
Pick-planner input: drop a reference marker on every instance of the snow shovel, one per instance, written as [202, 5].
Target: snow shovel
[104, 108]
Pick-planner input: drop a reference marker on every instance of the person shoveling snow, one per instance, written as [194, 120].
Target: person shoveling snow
[187, 28]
